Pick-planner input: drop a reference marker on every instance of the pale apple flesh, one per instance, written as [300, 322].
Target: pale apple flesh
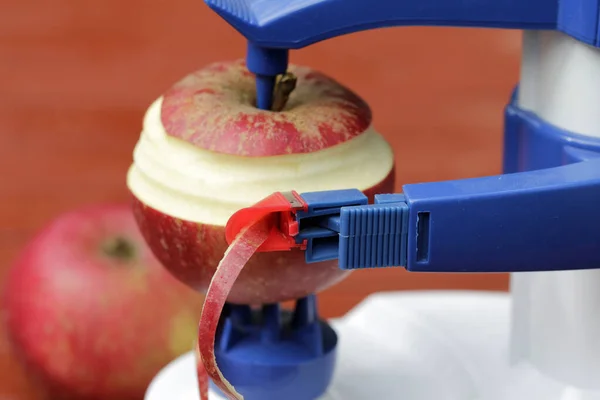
[92, 312]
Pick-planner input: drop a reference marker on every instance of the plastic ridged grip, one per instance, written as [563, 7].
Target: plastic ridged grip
[373, 236]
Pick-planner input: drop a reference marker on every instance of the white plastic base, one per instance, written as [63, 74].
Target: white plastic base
[415, 346]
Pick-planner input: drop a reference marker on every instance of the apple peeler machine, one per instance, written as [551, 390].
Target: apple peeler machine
[539, 221]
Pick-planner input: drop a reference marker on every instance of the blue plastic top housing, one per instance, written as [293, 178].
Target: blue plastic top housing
[294, 24]
[299, 23]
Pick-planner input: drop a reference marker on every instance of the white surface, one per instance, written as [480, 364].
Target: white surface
[414, 346]
[556, 315]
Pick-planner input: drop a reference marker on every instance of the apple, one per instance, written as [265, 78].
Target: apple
[206, 151]
[92, 312]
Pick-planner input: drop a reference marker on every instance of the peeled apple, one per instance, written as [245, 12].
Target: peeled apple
[206, 151]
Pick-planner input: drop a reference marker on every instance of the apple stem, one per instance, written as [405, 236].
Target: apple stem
[119, 248]
[284, 86]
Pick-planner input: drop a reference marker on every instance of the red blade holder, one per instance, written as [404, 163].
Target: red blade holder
[309, 222]
[282, 208]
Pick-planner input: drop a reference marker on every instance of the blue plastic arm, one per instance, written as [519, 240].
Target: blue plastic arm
[541, 220]
[293, 24]
[531, 221]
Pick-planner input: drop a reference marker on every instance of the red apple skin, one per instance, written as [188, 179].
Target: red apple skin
[192, 251]
[93, 326]
[213, 109]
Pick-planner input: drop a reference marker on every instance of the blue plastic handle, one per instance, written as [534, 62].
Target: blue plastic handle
[293, 24]
[540, 220]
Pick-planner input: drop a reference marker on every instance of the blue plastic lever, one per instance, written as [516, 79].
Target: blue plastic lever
[539, 220]
[295, 24]
[320, 223]
[340, 224]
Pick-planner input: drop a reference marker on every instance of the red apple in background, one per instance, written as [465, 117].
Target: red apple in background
[92, 312]
[206, 151]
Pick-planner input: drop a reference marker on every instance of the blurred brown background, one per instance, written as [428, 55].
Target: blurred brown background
[76, 77]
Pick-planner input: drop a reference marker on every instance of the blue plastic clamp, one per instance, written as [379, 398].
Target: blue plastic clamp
[275, 354]
[319, 226]
[340, 224]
